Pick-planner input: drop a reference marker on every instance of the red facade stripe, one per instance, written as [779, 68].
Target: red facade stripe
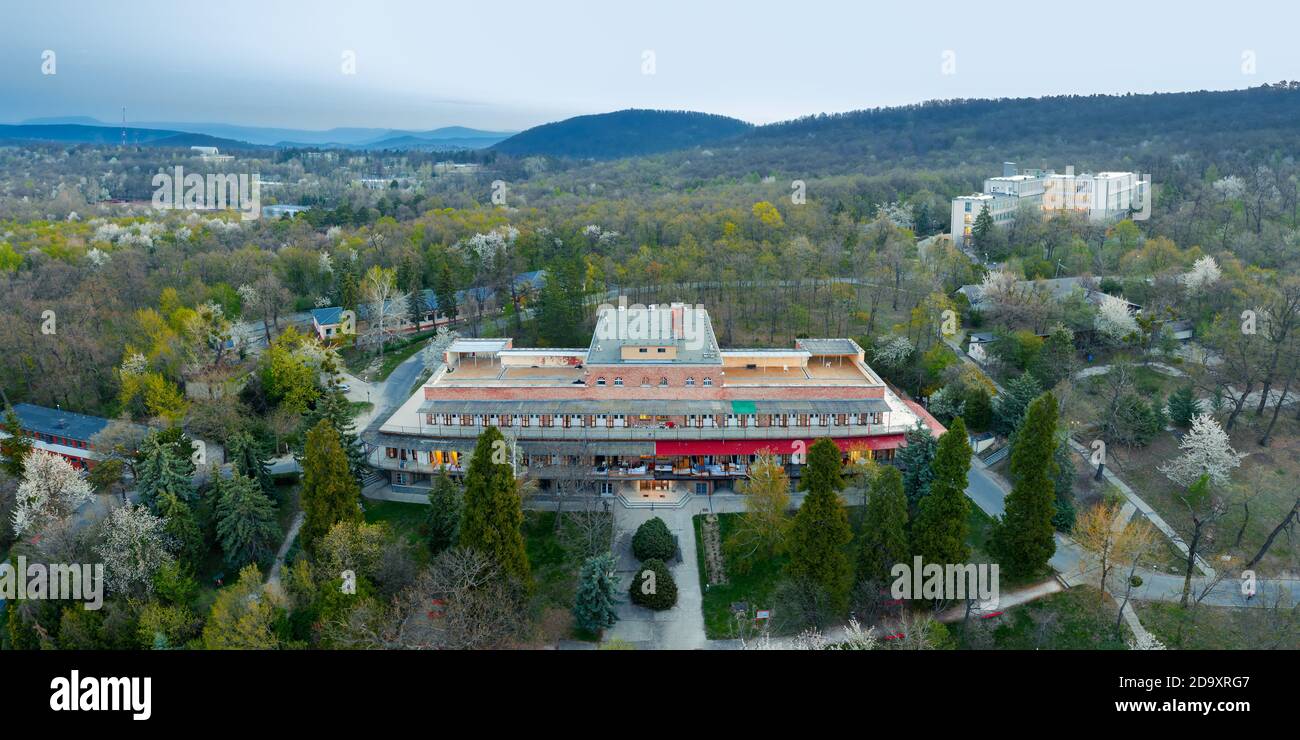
[776, 446]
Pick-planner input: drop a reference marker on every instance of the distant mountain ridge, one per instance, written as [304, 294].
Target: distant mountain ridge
[446, 137]
[624, 133]
[109, 135]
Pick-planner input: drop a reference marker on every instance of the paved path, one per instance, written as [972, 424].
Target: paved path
[273, 577]
[679, 628]
[1159, 367]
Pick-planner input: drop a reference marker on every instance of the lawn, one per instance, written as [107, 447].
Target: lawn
[1069, 620]
[398, 351]
[1221, 628]
[1265, 481]
[357, 408]
[406, 520]
[754, 588]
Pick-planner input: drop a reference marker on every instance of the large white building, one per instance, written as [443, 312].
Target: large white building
[1101, 196]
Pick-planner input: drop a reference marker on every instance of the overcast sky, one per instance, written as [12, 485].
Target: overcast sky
[507, 64]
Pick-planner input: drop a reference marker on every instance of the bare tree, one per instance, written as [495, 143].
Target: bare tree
[462, 601]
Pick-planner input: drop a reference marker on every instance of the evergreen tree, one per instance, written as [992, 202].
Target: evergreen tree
[1009, 408]
[444, 289]
[246, 525]
[329, 492]
[560, 308]
[15, 446]
[443, 523]
[1063, 484]
[884, 527]
[334, 407]
[1183, 406]
[348, 288]
[181, 525]
[1056, 358]
[978, 412]
[941, 527]
[492, 517]
[915, 458]
[161, 469]
[593, 609]
[1023, 540]
[249, 459]
[983, 228]
[820, 533]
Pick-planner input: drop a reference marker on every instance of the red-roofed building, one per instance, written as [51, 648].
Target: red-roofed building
[653, 405]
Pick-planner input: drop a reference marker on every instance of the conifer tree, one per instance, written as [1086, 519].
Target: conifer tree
[884, 527]
[329, 492]
[1009, 408]
[941, 527]
[334, 406]
[181, 525]
[161, 469]
[1183, 406]
[594, 608]
[492, 517]
[443, 523]
[820, 533]
[246, 525]
[983, 228]
[1023, 540]
[916, 459]
[249, 459]
[15, 446]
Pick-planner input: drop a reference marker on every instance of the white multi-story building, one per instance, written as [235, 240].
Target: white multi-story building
[1101, 196]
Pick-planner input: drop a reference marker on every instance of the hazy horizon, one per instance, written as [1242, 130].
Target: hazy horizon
[514, 65]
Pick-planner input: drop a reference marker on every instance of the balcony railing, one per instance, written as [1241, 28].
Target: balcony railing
[651, 434]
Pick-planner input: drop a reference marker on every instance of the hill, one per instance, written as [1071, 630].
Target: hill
[1093, 131]
[624, 133]
[109, 135]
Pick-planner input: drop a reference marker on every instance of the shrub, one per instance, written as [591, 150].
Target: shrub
[653, 586]
[653, 541]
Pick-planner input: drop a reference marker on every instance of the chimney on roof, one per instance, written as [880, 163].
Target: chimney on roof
[1008, 169]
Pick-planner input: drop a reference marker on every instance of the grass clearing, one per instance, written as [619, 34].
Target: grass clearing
[754, 587]
[1221, 627]
[1070, 620]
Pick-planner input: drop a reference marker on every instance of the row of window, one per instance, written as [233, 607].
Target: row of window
[663, 382]
[620, 420]
[65, 441]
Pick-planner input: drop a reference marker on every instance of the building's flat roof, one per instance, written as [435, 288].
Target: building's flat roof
[478, 345]
[829, 346]
[58, 422]
[619, 328]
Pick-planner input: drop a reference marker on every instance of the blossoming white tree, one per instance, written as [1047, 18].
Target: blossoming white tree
[1114, 320]
[1204, 273]
[51, 489]
[135, 545]
[893, 351]
[1207, 450]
